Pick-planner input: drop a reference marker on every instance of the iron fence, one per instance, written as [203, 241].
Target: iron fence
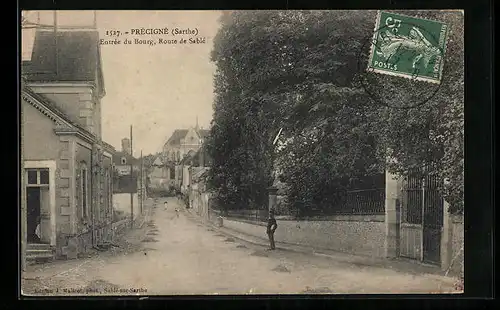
[353, 202]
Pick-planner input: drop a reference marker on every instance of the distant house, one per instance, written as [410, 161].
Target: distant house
[179, 150]
[159, 175]
[199, 196]
[122, 162]
[67, 168]
[196, 180]
[130, 181]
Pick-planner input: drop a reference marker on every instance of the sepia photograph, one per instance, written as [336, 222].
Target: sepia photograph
[235, 152]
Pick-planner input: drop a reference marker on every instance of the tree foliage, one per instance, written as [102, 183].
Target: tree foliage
[299, 70]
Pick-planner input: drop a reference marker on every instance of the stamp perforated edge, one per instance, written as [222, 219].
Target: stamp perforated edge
[405, 75]
[372, 42]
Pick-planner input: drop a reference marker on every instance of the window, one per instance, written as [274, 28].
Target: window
[44, 176]
[84, 189]
[32, 176]
[110, 192]
[37, 177]
[107, 190]
[38, 206]
[124, 161]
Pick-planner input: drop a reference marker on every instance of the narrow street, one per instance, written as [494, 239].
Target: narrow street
[174, 255]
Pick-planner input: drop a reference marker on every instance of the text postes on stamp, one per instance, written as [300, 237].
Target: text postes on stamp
[408, 47]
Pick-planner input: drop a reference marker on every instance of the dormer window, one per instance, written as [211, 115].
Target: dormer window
[124, 161]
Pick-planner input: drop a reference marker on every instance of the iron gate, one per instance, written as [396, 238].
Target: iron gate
[411, 217]
[421, 218]
[432, 220]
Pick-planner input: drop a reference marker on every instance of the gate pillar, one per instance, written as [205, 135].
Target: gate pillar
[392, 200]
[272, 197]
[446, 238]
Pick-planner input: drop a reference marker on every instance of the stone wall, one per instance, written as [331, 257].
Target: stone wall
[65, 217]
[74, 225]
[354, 234]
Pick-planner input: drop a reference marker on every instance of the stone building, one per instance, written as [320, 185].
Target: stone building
[181, 144]
[67, 168]
[158, 175]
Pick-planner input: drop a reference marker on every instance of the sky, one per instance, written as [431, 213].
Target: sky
[156, 89]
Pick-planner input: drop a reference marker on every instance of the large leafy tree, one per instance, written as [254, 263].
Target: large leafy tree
[301, 71]
[288, 70]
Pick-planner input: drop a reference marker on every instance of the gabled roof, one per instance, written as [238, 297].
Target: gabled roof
[176, 137]
[117, 159]
[157, 162]
[203, 133]
[72, 125]
[202, 172]
[69, 56]
[179, 134]
[49, 105]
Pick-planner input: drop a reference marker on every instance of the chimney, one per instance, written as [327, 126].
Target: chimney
[126, 145]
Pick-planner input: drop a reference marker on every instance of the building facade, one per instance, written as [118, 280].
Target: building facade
[161, 176]
[177, 151]
[67, 168]
[127, 184]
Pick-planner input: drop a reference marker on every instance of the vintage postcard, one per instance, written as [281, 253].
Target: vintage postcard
[241, 152]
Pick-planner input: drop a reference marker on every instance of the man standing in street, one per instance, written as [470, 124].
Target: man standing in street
[271, 228]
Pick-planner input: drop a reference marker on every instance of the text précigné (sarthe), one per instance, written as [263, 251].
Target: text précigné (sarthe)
[152, 36]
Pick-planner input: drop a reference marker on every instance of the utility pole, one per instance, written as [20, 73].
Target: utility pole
[131, 181]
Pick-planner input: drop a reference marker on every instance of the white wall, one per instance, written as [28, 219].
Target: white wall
[122, 202]
[185, 177]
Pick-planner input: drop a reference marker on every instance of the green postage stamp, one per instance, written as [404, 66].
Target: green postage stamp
[408, 47]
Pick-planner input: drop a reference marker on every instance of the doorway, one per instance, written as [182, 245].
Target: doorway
[38, 206]
[33, 213]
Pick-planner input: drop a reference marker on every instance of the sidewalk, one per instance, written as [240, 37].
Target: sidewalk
[148, 206]
[400, 265]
